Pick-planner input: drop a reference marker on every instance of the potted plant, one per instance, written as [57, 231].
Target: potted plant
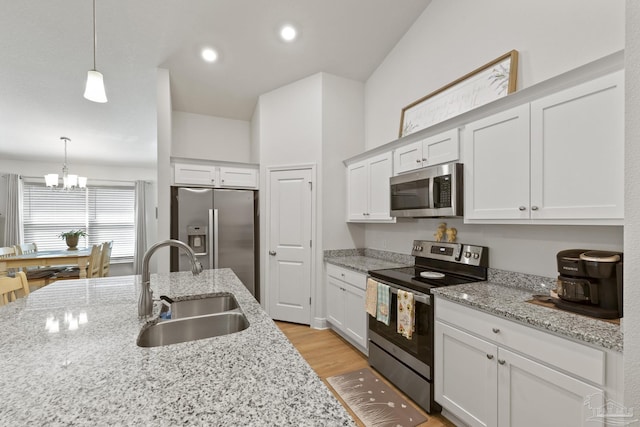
[71, 238]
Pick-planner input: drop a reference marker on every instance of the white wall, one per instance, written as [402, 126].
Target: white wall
[452, 38]
[204, 137]
[632, 211]
[290, 133]
[342, 137]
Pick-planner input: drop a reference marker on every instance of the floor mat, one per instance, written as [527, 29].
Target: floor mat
[374, 402]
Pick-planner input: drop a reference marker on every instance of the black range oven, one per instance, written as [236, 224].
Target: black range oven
[408, 363]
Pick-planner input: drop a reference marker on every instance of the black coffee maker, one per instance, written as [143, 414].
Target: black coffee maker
[590, 282]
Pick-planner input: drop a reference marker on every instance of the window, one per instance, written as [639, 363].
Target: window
[105, 213]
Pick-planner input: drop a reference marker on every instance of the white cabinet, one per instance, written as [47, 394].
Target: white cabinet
[215, 176]
[559, 159]
[238, 177]
[346, 304]
[434, 150]
[493, 372]
[192, 174]
[368, 189]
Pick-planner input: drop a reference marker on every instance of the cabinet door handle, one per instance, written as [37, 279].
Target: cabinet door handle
[501, 361]
[534, 208]
[342, 274]
[272, 253]
[417, 160]
[489, 356]
[424, 159]
[495, 330]
[522, 208]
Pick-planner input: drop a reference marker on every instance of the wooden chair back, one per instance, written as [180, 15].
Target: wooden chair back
[106, 258]
[9, 286]
[26, 248]
[95, 262]
[7, 252]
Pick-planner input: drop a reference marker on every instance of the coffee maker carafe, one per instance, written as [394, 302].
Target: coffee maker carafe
[590, 282]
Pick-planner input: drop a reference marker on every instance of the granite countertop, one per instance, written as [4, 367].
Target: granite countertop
[511, 303]
[97, 375]
[363, 260]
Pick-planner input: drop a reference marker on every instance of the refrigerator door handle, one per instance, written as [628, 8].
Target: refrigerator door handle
[215, 238]
[210, 238]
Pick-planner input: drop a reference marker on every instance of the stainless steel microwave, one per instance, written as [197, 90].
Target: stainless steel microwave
[429, 192]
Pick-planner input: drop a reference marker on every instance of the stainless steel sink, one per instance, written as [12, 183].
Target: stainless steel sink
[201, 304]
[191, 328]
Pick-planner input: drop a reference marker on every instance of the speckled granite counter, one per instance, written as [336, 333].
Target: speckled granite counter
[510, 302]
[96, 375]
[363, 260]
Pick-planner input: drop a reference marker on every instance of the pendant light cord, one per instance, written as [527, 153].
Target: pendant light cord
[95, 43]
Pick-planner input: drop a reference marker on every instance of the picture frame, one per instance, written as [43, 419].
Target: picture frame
[487, 83]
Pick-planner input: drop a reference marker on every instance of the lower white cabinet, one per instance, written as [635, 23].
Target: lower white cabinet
[346, 313]
[493, 372]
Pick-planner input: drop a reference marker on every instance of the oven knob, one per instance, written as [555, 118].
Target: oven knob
[467, 254]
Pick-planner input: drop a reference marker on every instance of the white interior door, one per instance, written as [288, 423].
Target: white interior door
[289, 259]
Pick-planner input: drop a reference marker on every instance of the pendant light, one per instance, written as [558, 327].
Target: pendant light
[94, 90]
[69, 181]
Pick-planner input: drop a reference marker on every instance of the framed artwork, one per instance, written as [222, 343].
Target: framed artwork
[493, 80]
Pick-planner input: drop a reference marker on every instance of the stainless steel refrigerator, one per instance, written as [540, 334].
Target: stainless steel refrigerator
[221, 226]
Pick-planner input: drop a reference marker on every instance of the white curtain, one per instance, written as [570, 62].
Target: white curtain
[13, 202]
[141, 227]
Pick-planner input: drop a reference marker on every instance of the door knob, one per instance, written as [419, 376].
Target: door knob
[272, 253]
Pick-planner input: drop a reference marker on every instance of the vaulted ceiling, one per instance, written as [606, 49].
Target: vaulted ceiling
[46, 50]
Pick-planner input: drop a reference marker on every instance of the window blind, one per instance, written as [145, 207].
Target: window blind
[104, 212]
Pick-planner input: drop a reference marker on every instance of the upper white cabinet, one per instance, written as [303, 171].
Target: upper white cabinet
[195, 174]
[434, 150]
[238, 177]
[215, 176]
[558, 159]
[368, 189]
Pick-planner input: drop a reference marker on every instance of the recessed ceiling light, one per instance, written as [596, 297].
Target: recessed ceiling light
[288, 33]
[209, 54]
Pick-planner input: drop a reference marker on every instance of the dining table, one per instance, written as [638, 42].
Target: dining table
[79, 257]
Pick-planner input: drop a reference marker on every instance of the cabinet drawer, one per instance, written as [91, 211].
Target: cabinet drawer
[354, 278]
[570, 356]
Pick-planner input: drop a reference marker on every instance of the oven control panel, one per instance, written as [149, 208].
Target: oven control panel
[452, 252]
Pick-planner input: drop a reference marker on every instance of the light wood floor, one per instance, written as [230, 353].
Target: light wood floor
[329, 355]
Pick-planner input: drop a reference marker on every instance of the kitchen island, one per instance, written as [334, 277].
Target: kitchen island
[69, 357]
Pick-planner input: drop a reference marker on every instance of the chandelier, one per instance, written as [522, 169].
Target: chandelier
[68, 181]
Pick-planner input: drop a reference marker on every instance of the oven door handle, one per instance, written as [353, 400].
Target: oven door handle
[421, 298]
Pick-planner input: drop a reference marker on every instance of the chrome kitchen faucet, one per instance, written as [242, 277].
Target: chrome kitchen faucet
[145, 303]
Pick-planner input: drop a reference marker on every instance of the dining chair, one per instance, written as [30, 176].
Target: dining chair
[94, 266]
[106, 258]
[10, 285]
[7, 251]
[26, 248]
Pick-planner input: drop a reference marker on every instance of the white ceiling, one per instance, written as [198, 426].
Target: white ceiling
[46, 50]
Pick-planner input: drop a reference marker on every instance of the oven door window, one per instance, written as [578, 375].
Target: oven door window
[410, 195]
[419, 345]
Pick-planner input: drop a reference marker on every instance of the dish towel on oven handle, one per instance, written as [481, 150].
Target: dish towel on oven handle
[371, 301]
[406, 314]
[383, 303]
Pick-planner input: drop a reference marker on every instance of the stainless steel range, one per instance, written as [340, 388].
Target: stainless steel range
[408, 363]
